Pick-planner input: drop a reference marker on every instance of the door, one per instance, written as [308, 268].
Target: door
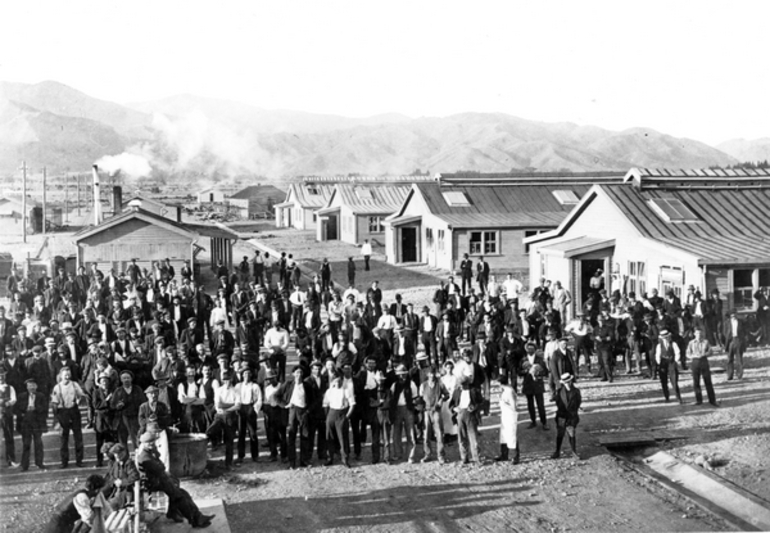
[588, 269]
[409, 245]
[331, 228]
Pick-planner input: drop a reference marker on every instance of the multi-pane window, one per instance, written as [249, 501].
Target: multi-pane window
[484, 242]
[376, 225]
[743, 287]
[637, 277]
[441, 240]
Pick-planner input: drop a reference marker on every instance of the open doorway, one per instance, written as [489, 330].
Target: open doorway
[408, 244]
[588, 268]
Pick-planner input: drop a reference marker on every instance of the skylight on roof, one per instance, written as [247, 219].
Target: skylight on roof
[673, 210]
[456, 198]
[566, 197]
[364, 194]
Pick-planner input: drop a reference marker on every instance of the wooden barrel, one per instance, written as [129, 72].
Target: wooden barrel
[188, 453]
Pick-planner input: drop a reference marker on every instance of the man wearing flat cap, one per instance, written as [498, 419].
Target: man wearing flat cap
[125, 404]
[180, 504]
[568, 400]
[121, 475]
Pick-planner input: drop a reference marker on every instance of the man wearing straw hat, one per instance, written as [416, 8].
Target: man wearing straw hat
[568, 400]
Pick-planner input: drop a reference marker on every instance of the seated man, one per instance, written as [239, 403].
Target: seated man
[120, 478]
[180, 503]
[74, 513]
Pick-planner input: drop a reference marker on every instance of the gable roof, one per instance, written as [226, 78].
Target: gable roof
[18, 199]
[138, 195]
[303, 196]
[259, 193]
[530, 178]
[506, 205]
[370, 199]
[731, 225]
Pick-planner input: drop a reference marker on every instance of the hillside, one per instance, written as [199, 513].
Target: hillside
[57, 126]
[747, 150]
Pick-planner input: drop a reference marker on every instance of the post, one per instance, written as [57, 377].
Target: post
[78, 178]
[67, 196]
[24, 201]
[44, 178]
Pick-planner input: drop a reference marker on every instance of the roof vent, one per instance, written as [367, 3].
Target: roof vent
[672, 210]
[566, 197]
[456, 198]
[135, 204]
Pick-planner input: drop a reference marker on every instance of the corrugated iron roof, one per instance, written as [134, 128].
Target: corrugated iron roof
[530, 178]
[506, 204]
[372, 199]
[732, 225]
[305, 198]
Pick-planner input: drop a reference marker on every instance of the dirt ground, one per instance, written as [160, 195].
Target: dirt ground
[597, 493]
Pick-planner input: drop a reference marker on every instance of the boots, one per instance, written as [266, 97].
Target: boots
[516, 454]
[557, 453]
[503, 453]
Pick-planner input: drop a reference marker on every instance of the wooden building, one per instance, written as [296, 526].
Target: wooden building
[486, 215]
[169, 211]
[149, 237]
[210, 196]
[356, 211]
[11, 208]
[257, 201]
[298, 210]
[665, 229]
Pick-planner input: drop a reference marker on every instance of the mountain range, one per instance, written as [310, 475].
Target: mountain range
[53, 125]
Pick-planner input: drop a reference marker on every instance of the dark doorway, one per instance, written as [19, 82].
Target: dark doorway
[588, 268]
[409, 245]
[331, 228]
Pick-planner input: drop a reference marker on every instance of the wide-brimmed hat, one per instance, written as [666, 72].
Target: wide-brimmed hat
[567, 377]
[401, 370]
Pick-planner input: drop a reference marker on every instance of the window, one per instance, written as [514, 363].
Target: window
[376, 225]
[743, 288]
[672, 210]
[671, 278]
[566, 197]
[441, 240]
[315, 217]
[312, 190]
[364, 194]
[456, 198]
[637, 278]
[484, 242]
[429, 236]
[530, 233]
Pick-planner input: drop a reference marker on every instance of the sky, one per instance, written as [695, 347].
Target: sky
[696, 69]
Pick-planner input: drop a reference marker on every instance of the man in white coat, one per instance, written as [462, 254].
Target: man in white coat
[508, 422]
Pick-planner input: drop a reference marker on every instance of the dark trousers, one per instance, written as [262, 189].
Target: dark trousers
[299, 421]
[29, 436]
[700, 368]
[466, 282]
[317, 436]
[668, 371]
[531, 400]
[325, 282]
[275, 426]
[101, 438]
[193, 419]
[247, 425]
[366, 262]
[128, 427]
[337, 425]
[10, 446]
[734, 360]
[582, 346]
[69, 420]
[605, 362]
[227, 423]
[430, 345]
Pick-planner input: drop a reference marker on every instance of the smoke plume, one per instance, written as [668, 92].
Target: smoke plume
[126, 163]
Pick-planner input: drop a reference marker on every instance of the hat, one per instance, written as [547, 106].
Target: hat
[426, 309]
[422, 356]
[127, 372]
[37, 349]
[66, 325]
[316, 363]
[401, 370]
[147, 437]
[691, 288]
[30, 380]
[191, 320]
[117, 448]
[62, 349]
[564, 338]
[567, 377]
[151, 388]
[222, 355]
[121, 329]
[664, 333]
[530, 343]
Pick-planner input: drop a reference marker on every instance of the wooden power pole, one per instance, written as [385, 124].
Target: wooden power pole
[44, 212]
[24, 201]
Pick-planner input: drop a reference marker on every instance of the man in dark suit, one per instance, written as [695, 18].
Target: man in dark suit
[316, 413]
[427, 329]
[482, 275]
[568, 400]
[297, 395]
[7, 330]
[735, 341]
[398, 309]
[32, 408]
[466, 273]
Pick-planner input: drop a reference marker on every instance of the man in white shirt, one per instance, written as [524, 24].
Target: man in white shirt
[666, 355]
[275, 424]
[298, 395]
[402, 412]
[7, 401]
[191, 396]
[340, 403]
[366, 251]
[276, 342]
[251, 405]
[227, 403]
[512, 289]
[65, 397]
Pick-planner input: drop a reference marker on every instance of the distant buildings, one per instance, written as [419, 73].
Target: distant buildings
[300, 204]
[665, 229]
[256, 201]
[210, 196]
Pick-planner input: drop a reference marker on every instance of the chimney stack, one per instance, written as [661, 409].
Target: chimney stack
[97, 196]
[117, 200]
[179, 214]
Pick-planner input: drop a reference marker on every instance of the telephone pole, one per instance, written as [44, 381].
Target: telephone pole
[78, 178]
[44, 213]
[24, 201]
[67, 195]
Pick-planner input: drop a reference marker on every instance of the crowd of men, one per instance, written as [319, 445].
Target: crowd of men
[148, 347]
